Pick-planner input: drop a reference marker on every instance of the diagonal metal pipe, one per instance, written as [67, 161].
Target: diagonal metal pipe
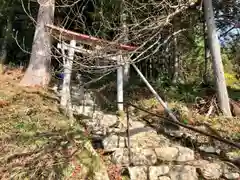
[219, 138]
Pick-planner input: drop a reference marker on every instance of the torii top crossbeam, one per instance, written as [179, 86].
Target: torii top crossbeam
[70, 35]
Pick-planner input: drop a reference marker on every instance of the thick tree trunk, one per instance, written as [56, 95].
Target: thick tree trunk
[3, 50]
[217, 60]
[206, 54]
[126, 67]
[39, 68]
[3, 53]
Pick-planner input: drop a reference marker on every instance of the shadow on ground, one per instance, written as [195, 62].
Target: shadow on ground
[45, 155]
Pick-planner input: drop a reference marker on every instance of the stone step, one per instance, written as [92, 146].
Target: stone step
[199, 169]
[163, 172]
[142, 137]
[152, 156]
[192, 170]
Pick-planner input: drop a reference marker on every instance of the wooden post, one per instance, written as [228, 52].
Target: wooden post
[66, 93]
[120, 85]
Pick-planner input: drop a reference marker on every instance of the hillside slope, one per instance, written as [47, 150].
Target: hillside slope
[37, 141]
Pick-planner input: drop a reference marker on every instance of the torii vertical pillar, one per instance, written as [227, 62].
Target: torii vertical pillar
[120, 85]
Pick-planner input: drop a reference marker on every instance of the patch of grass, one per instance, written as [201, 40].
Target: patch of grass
[36, 140]
[179, 102]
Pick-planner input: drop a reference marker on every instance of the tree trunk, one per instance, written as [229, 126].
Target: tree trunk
[3, 54]
[3, 51]
[126, 67]
[176, 61]
[206, 54]
[217, 60]
[39, 68]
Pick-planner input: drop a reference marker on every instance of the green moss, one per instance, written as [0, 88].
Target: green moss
[232, 81]
[120, 114]
[150, 102]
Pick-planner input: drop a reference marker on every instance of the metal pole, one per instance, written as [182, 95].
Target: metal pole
[155, 94]
[128, 136]
[221, 139]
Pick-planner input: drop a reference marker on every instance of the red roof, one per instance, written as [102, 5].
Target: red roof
[67, 34]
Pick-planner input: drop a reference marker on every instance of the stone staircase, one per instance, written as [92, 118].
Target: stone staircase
[152, 156]
[149, 155]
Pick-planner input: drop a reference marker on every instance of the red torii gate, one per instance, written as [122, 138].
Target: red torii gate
[73, 37]
[64, 34]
